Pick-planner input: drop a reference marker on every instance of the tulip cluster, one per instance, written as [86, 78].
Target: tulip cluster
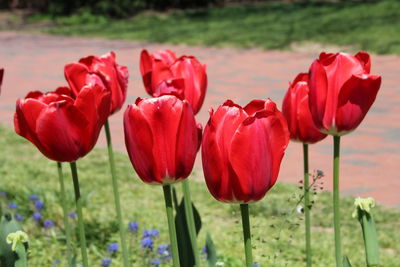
[241, 147]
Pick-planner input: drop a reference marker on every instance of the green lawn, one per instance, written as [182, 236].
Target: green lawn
[372, 26]
[277, 231]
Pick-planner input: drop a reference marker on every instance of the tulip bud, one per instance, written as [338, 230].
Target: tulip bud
[363, 213]
[10, 253]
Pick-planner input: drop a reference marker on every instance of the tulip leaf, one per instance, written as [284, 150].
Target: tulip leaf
[8, 225]
[186, 257]
[211, 251]
[346, 262]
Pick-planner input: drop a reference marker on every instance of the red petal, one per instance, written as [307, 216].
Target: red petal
[187, 142]
[59, 130]
[76, 76]
[139, 143]
[167, 56]
[254, 106]
[216, 144]
[194, 74]
[365, 60]
[146, 68]
[318, 86]
[355, 99]
[163, 115]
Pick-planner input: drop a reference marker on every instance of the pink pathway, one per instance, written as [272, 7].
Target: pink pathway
[370, 155]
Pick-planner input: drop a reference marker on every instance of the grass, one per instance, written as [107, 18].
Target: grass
[371, 26]
[278, 234]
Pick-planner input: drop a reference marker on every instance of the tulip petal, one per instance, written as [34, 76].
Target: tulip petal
[76, 76]
[59, 130]
[167, 56]
[355, 99]
[251, 160]
[365, 60]
[217, 139]
[139, 143]
[94, 102]
[27, 111]
[187, 142]
[146, 67]
[163, 115]
[195, 77]
[318, 86]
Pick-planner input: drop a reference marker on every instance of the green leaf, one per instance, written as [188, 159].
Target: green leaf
[346, 262]
[7, 226]
[211, 251]
[186, 257]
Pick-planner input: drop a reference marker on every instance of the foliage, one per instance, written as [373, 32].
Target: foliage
[277, 230]
[371, 26]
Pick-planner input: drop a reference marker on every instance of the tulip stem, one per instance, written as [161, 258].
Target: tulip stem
[65, 211]
[116, 195]
[244, 209]
[78, 202]
[190, 220]
[336, 210]
[171, 225]
[307, 205]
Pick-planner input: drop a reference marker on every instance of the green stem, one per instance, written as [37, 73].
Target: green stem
[78, 202]
[190, 220]
[244, 209]
[307, 205]
[116, 196]
[171, 225]
[336, 211]
[65, 211]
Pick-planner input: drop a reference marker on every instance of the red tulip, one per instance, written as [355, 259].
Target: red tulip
[162, 138]
[342, 90]
[296, 110]
[164, 73]
[112, 76]
[61, 127]
[242, 150]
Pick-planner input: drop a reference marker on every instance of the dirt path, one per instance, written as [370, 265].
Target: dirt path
[370, 155]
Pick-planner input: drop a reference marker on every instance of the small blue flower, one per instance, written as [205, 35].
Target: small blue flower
[12, 205]
[133, 227]
[164, 251]
[48, 224]
[256, 264]
[155, 262]
[33, 197]
[72, 214]
[152, 233]
[147, 243]
[56, 262]
[106, 262]
[113, 247]
[39, 205]
[36, 216]
[18, 217]
[3, 194]
[204, 250]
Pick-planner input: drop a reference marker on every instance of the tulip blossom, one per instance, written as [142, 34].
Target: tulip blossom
[242, 150]
[63, 128]
[112, 76]
[164, 73]
[296, 110]
[162, 138]
[342, 90]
